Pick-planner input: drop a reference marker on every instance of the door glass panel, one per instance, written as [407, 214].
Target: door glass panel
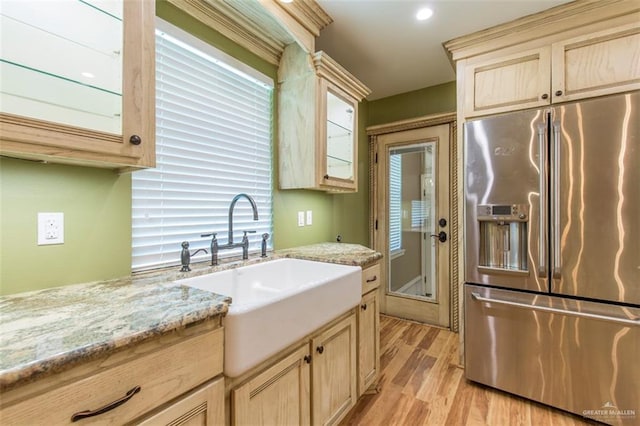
[340, 122]
[62, 62]
[412, 220]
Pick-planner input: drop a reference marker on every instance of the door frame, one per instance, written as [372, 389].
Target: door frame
[377, 212]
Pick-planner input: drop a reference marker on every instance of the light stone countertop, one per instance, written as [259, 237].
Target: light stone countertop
[47, 331]
[342, 253]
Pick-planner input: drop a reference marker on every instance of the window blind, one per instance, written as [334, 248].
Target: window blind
[213, 141]
[395, 202]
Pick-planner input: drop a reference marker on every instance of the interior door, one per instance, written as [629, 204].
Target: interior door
[413, 192]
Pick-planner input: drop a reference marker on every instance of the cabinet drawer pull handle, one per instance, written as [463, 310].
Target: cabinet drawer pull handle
[544, 96]
[135, 140]
[363, 307]
[370, 280]
[559, 93]
[90, 413]
[320, 349]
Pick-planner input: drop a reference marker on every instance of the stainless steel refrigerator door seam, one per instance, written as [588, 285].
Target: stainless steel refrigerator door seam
[544, 215]
[557, 267]
[631, 322]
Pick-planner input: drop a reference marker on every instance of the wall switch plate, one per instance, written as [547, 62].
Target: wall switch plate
[300, 218]
[309, 217]
[50, 228]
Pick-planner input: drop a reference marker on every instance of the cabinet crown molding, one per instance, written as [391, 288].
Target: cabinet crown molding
[555, 20]
[264, 27]
[309, 14]
[332, 71]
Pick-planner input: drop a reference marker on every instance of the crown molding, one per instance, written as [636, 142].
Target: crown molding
[552, 21]
[264, 27]
[411, 123]
[332, 71]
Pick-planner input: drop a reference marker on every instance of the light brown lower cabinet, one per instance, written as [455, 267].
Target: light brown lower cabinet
[333, 369]
[368, 318]
[203, 407]
[314, 384]
[278, 396]
[368, 342]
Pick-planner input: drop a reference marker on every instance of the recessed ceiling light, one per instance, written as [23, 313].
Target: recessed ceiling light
[286, 1]
[424, 14]
[87, 74]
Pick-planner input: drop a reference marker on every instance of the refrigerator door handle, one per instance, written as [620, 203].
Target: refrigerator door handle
[544, 215]
[588, 315]
[555, 181]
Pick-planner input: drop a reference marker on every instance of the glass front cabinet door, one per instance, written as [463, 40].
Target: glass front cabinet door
[338, 142]
[78, 82]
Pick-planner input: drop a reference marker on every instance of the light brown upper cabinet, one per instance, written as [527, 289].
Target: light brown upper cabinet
[82, 90]
[514, 81]
[318, 122]
[596, 64]
[571, 52]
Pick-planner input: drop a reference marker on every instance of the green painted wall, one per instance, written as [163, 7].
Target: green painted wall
[430, 100]
[97, 224]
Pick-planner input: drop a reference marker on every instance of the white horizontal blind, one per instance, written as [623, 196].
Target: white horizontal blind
[213, 136]
[395, 202]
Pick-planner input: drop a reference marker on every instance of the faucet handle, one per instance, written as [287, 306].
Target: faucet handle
[209, 235]
[248, 232]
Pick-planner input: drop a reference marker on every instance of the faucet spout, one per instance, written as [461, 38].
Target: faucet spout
[233, 205]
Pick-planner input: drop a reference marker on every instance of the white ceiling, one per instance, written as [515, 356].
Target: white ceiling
[382, 44]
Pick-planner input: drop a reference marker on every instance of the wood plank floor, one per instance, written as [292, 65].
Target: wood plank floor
[421, 383]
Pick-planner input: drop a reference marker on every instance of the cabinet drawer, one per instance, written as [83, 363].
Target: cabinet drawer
[371, 278]
[161, 376]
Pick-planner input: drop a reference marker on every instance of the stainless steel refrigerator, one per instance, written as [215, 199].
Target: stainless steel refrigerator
[552, 268]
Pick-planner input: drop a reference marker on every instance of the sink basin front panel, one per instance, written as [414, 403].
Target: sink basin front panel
[276, 303]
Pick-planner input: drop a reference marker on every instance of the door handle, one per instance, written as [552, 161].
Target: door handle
[589, 315]
[441, 236]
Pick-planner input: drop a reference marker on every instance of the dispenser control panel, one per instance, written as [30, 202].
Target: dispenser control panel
[503, 212]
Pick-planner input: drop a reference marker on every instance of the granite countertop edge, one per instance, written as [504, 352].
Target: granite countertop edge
[153, 292]
[41, 368]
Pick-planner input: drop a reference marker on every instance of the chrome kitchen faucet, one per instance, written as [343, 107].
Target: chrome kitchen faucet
[230, 244]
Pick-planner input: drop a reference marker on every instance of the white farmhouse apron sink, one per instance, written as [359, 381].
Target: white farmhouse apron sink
[276, 303]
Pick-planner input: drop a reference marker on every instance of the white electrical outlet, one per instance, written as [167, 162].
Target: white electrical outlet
[309, 217]
[300, 218]
[50, 228]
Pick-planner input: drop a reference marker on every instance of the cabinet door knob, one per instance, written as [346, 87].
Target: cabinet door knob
[558, 92]
[326, 176]
[307, 359]
[320, 349]
[135, 140]
[544, 96]
[363, 306]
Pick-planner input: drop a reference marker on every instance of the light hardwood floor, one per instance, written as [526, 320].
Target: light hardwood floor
[422, 384]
